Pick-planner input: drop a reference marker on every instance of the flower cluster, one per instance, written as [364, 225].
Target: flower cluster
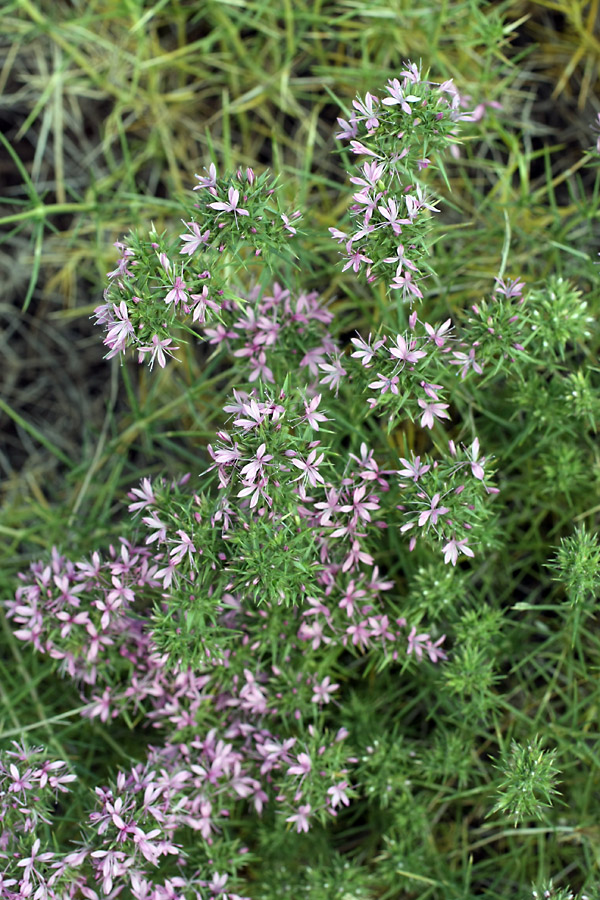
[273, 329]
[442, 501]
[408, 368]
[161, 282]
[398, 134]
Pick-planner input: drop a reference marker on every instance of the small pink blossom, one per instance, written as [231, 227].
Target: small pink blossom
[432, 514]
[322, 692]
[231, 205]
[453, 548]
[157, 351]
[338, 795]
[301, 818]
[432, 411]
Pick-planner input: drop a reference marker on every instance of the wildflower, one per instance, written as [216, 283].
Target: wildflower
[338, 795]
[120, 329]
[372, 173]
[466, 361]
[194, 240]
[364, 351]
[359, 148]
[433, 649]
[351, 594]
[476, 460]
[439, 335]
[406, 284]
[301, 818]
[385, 384]
[145, 494]
[349, 129]
[329, 506]
[210, 182]
[416, 643]
[334, 372]
[406, 352]
[359, 634]
[413, 469]
[401, 260]
[360, 507]
[432, 411]
[311, 415]
[511, 288]
[288, 227]
[231, 205]
[432, 514]
[303, 766]
[453, 548]
[251, 469]
[322, 692]
[309, 468]
[390, 212]
[355, 258]
[30, 862]
[398, 98]
[369, 202]
[178, 292]
[368, 108]
[157, 351]
[183, 546]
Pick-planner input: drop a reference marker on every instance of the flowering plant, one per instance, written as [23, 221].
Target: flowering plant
[269, 617]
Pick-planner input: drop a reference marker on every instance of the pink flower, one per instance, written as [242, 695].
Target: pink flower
[29, 862]
[432, 514]
[323, 691]
[252, 469]
[401, 260]
[301, 818]
[309, 469]
[406, 284]
[338, 795]
[391, 213]
[334, 372]
[231, 205]
[406, 352]
[349, 129]
[372, 173]
[476, 460]
[364, 351]
[416, 642]
[183, 546]
[368, 108]
[434, 650]
[303, 766]
[413, 469]
[311, 415]
[287, 225]
[432, 411]
[439, 335]
[145, 495]
[178, 292]
[453, 548]
[398, 98]
[157, 351]
[355, 258]
[466, 362]
[210, 182]
[194, 240]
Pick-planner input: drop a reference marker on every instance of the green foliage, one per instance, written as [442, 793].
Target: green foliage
[577, 565]
[529, 782]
